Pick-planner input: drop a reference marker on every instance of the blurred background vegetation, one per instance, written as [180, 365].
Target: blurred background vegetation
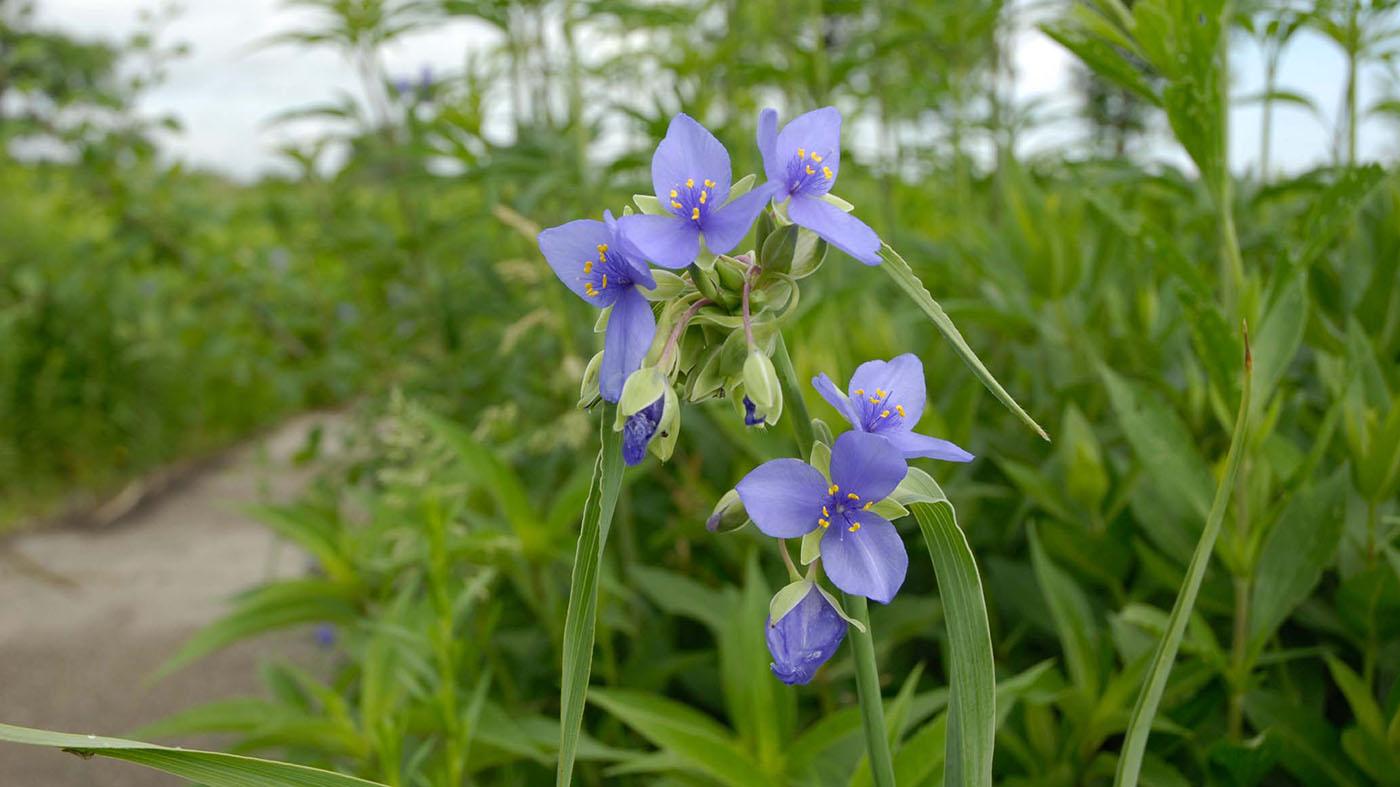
[150, 313]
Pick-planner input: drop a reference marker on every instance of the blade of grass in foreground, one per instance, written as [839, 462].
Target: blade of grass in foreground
[971, 733]
[904, 276]
[583, 591]
[1135, 742]
[213, 769]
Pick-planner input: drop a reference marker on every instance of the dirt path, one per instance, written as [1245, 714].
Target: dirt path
[87, 615]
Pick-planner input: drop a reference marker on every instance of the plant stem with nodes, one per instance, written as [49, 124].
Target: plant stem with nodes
[674, 338]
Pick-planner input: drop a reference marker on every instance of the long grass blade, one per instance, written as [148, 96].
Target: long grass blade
[583, 592]
[904, 276]
[213, 769]
[1140, 725]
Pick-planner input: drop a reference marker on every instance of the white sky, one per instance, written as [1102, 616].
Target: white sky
[228, 87]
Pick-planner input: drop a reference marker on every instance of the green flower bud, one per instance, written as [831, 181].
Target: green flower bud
[588, 389]
[643, 387]
[729, 514]
[761, 380]
[669, 286]
[731, 273]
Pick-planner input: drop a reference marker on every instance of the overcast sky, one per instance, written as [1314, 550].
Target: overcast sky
[226, 89]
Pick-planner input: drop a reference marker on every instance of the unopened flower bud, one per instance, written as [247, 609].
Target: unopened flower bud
[729, 514]
[761, 380]
[588, 388]
[803, 636]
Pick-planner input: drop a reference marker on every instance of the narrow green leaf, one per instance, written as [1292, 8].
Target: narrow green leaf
[971, 674]
[1160, 440]
[1135, 741]
[1309, 742]
[583, 591]
[1294, 553]
[1073, 617]
[212, 769]
[693, 737]
[908, 281]
[1358, 694]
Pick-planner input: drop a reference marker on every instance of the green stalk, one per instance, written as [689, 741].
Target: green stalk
[583, 591]
[872, 709]
[1140, 725]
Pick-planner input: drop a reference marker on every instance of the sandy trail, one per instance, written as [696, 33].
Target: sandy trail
[87, 615]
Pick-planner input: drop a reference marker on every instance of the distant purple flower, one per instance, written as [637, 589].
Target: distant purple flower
[638, 430]
[862, 552]
[690, 172]
[325, 636]
[804, 638]
[887, 398]
[802, 161]
[600, 266]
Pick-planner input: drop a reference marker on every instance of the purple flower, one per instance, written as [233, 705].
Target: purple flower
[690, 172]
[862, 552]
[804, 638]
[595, 261]
[802, 161]
[638, 430]
[887, 399]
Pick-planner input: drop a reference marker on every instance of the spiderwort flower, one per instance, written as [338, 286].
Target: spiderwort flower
[861, 550]
[803, 638]
[594, 260]
[691, 174]
[802, 161]
[638, 430]
[887, 399]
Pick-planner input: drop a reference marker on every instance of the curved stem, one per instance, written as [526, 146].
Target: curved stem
[676, 332]
[872, 709]
[792, 398]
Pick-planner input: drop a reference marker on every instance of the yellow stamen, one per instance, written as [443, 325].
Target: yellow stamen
[860, 392]
[852, 496]
[833, 489]
[817, 157]
[867, 505]
[690, 183]
[825, 512]
[827, 172]
[880, 392]
[588, 266]
[854, 527]
[703, 197]
[899, 408]
[676, 205]
[694, 214]
[802, 153]
[823, 523]
[874, 400]
[674, 193]
[602, 247]
[884, 413]
[605, 286]
[709, 183]
[811, 171]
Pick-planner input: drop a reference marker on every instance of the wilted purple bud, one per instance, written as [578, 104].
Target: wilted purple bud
[639, 429]
[804, 638]
[751, 417]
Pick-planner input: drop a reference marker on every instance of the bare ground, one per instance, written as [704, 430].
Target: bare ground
[86, 615]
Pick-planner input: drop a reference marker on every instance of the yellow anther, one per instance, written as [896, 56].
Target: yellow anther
[709, 183]
[825, 512]
[589, 291]
[827, 172]
[884, 413]
[874, 400]
[602, 247]
[690, 183]
[880, 392]
[811, 171]
[605, 286]
[802, 153]
[676, 205]
[867, 505]
[588, 266]
[860, 392]
[703, 196]
[854, 527]
[694, 214]
[852, 496]
[823, 523]
[674, 193]
[899, 408]
[833, 489]
[817, 157]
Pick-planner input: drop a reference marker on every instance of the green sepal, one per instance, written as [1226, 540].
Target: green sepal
[836, 605]
[761, 380]
[706, 382]
[668, 286]
[707, 282]
[643, 387]
[787, 599]
[821, 457]
[669, 430]
[600, 325]
[741, 187]
[731, 273]
[627, 210]
[890, 509]
[649, 205]
[588, 389]
[728, 515]
[763, 228]
[808, 256]
[822, 433]
[812, 546]
[776, 253]
[841, 205]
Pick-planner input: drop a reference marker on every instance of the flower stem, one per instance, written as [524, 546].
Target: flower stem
[748, 321]
[792, 397]
[673, 339]
[872, 709]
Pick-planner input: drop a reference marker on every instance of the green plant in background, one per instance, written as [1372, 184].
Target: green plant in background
[1107, 293]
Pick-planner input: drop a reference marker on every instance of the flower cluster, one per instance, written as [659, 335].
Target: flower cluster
[703, 325]
[696, 217]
